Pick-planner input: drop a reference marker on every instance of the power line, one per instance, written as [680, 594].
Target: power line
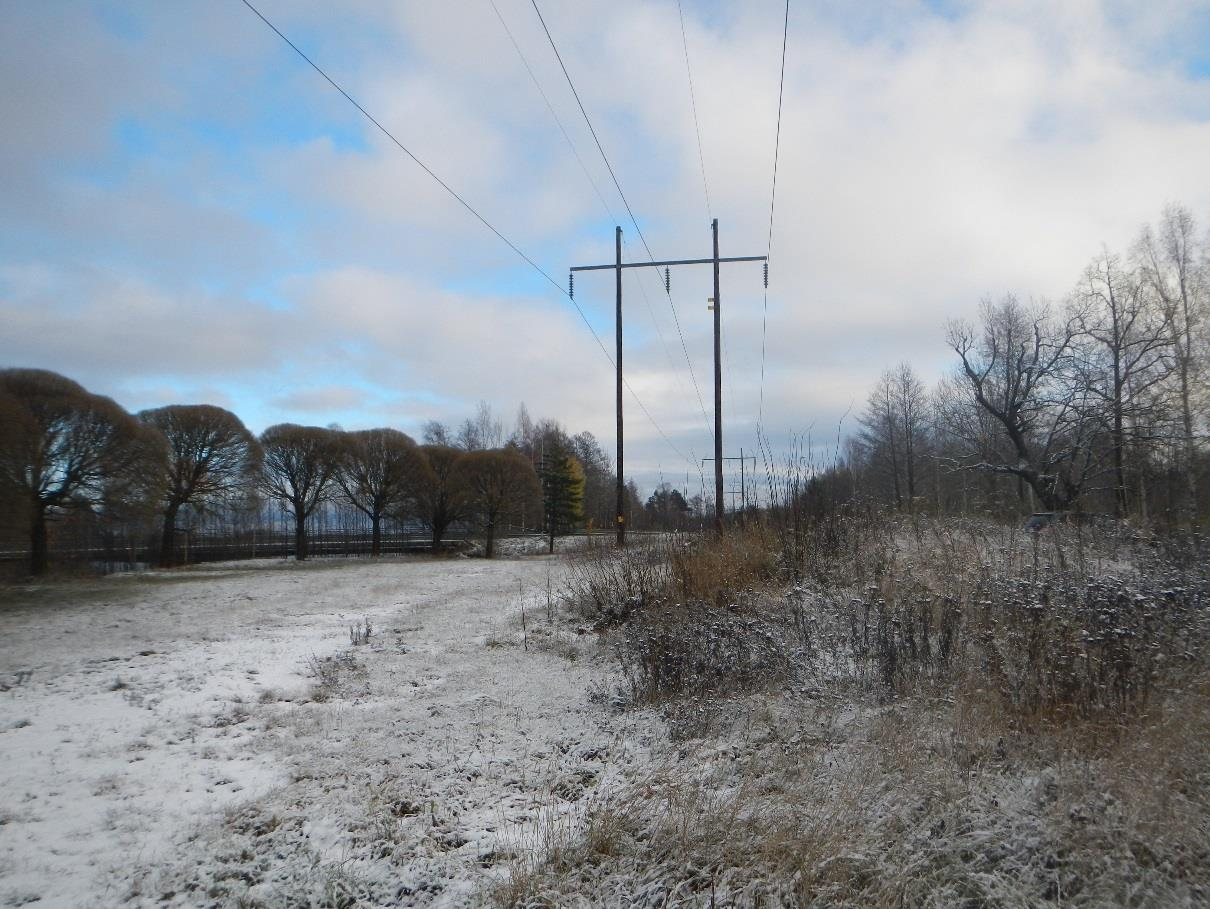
[550, 107]
[587, 120]
[622, 195]
[727, 363]
[693, 103]
[596, 189]
[468, 207]
[659, 334]
[386, 132]
[701, 156]
[764, 321]
[575, 152]
[680, 454]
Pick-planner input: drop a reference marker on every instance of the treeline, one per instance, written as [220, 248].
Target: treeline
[1097, 404]
[74, 465]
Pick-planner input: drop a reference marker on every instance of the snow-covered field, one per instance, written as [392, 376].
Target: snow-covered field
[211, 737]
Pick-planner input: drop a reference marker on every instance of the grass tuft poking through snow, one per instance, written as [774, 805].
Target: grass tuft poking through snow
[934, 715]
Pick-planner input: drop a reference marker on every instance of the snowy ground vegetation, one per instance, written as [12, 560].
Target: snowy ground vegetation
[850, 711]
[927, 714]
[266, 734]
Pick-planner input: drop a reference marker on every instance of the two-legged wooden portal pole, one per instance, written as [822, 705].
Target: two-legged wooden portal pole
[617, 265]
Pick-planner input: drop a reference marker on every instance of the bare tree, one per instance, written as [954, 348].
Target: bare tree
[63, 448]
[435, 432]
[523, 430]
[210, 454]
[913, 406]
[1126, 354]
[380, 472]
[482, 431]
[600, 482]
[878, 443]
[1017, 366]
[966, 433]
[895, 432]
[299, 465]
[442, 496]
[1176, 267]
[501, 482]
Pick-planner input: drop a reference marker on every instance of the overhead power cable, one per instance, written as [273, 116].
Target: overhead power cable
[638, 281]
[622, 195]
[461, 201]
[693, 103]
[701, 156]
[764, 321]
[588, 175]
[551, 109]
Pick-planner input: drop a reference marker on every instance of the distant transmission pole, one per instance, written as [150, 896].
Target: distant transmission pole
[715, 260]
[742, 478]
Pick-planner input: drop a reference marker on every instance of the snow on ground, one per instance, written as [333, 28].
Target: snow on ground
[211, 736]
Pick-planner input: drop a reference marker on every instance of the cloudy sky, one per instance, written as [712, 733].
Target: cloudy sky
[189, 213]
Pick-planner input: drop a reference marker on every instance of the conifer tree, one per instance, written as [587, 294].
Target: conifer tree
[562, 491]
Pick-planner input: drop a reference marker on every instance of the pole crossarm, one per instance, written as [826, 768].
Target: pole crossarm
[655, 264]
[715, 260]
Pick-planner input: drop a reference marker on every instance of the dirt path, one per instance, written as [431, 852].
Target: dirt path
[212, 736]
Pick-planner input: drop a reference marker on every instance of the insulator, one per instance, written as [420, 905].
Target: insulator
[766, 274]
[571, 284]
[667, 280]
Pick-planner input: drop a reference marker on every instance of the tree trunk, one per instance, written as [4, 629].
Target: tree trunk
[300, 536]
[38, 550]
[438, 532]
[489, 545]
[168, 537]
[375, 534]
[894, 459]
[1047, 494]
[1119, 465]
[1189, 505]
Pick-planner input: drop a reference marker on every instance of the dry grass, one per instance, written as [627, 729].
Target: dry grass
[924, 804]
[977, 718]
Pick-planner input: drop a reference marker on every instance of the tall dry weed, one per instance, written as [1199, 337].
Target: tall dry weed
[960, 715]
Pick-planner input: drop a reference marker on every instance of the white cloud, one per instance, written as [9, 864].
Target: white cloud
[926, 161]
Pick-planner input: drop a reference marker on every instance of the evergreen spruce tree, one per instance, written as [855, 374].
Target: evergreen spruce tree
[562, 490]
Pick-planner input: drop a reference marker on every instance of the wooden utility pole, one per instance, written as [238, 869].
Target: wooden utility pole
[718, 393]
[620, 516]
[617, 265]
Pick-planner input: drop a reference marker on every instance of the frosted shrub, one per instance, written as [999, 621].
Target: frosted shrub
[606, 585]
[938, 714]
[1087, 645]
[701, 651]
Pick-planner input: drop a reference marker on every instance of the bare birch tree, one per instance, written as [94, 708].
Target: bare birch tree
[1176, 267]
[481, 432]
[1123, 355]
[895, 432]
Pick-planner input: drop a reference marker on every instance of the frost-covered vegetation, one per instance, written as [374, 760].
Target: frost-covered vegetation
[851, 710]
[901, 714]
